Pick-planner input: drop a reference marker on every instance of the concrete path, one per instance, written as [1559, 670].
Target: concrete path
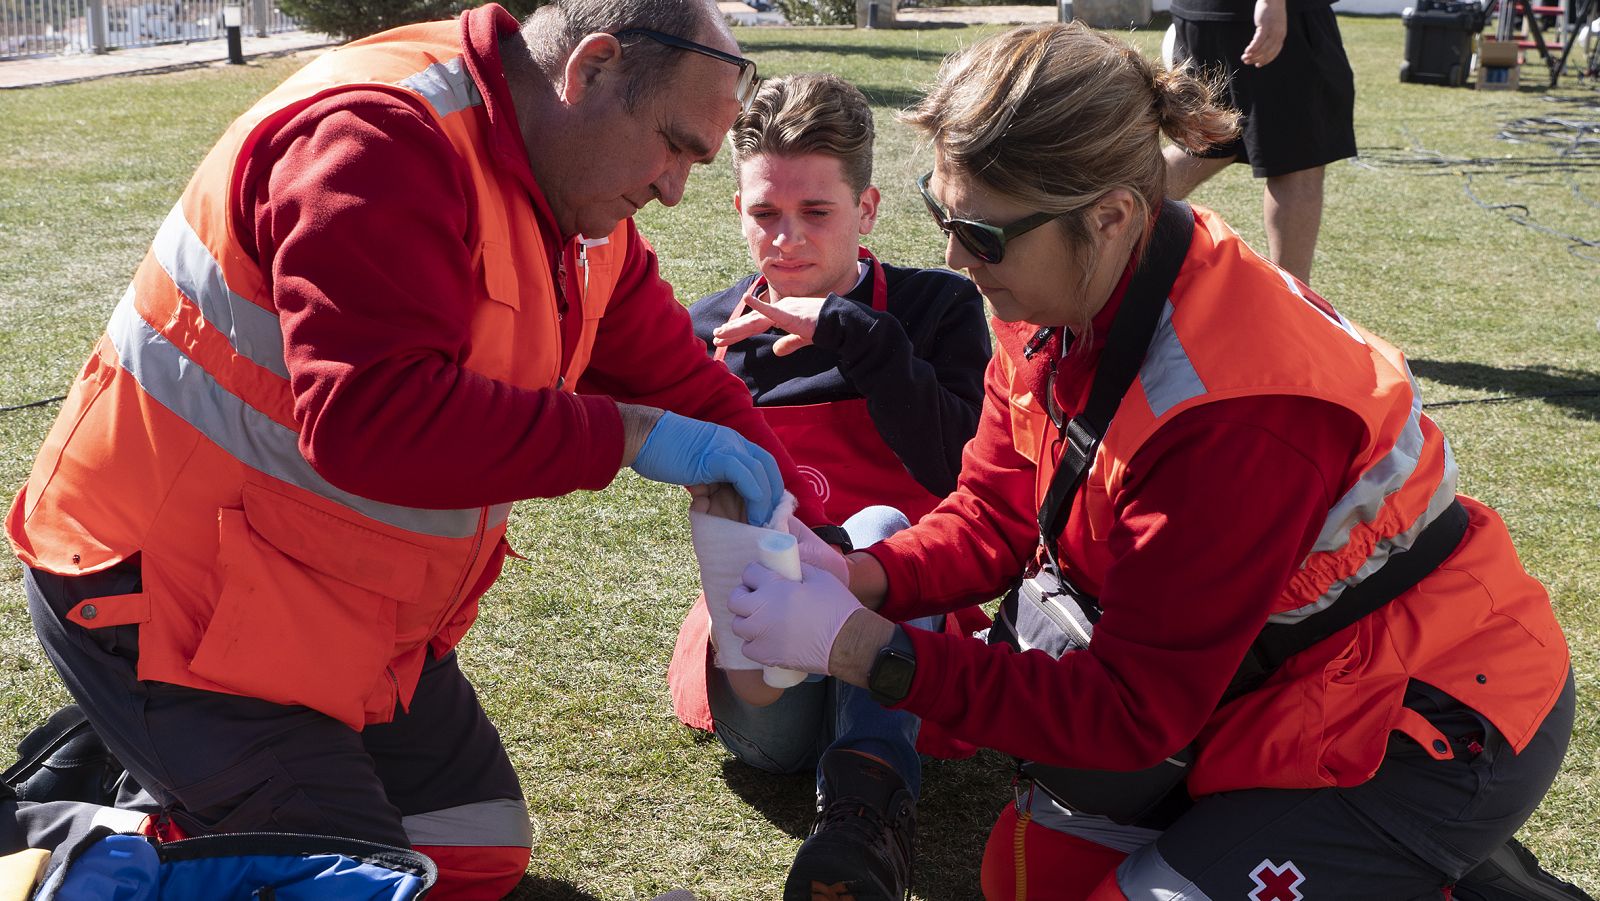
[66, 68]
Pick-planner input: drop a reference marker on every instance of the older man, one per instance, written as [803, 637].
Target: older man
[403, 291]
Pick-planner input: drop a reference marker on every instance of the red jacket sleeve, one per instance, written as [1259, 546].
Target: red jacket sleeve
[1220, 508]
[976, 541]
[355, 209]
[645, 352]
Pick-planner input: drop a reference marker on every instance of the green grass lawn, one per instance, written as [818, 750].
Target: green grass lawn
[572, 647]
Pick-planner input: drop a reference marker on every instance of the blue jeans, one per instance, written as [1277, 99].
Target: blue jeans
[789, 735]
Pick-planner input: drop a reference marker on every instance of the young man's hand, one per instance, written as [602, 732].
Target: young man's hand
[717, 499]
[796, 315]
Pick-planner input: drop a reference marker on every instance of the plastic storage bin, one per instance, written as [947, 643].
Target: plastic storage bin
[1439, 37]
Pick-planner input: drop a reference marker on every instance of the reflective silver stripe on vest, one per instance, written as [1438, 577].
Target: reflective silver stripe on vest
[1167, 377]
[1146, 876]
[447, 87]
[498, 824]
[253, 438]
[253, 332]
[1087, 826]
[1365, 498]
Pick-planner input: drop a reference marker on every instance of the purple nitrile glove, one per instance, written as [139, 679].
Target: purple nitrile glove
[790, 624]
[818, 553]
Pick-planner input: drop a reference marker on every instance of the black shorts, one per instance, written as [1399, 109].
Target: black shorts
[1299, 109]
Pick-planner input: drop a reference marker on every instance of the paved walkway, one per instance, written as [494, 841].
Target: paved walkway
[68, 68]
[25, 73]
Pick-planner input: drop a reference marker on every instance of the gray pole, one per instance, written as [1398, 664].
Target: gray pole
[97, 25]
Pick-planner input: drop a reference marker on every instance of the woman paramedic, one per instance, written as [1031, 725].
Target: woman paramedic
[1271, 653]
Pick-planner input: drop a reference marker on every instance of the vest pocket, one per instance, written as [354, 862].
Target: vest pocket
[86, 389]
[306, 614]
[500, 280]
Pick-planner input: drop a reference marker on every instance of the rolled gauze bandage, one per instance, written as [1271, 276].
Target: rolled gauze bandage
[780, 552]
[723, 548]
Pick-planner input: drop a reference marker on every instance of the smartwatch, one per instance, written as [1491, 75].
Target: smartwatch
[889, 680]
[836, 536]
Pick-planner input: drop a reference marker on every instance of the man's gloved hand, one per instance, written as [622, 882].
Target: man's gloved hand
[818, 553]
[684, 451]
[790, 624]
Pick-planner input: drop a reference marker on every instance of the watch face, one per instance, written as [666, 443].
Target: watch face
[891, 677]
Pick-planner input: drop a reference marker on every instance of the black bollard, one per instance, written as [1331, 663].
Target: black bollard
[233, 22]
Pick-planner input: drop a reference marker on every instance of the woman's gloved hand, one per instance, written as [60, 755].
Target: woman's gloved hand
[790, 624]
[684, 451]
[818, 553]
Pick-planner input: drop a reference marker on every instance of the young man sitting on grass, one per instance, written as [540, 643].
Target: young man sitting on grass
[872, 377]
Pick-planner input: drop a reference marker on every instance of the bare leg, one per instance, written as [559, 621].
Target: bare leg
[1292, 209]
[1185, 172]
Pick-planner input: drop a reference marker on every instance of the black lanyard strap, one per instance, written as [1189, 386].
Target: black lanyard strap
[1398, 575]
[1129, 339]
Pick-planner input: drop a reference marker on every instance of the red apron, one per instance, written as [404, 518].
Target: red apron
[837, 447]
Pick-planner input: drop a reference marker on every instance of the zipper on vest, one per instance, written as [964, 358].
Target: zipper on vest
[394, 689]
[561, 286]
[465, 583]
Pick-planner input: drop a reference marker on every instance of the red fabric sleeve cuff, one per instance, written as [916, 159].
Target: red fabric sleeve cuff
[603, 431]
[897, 569]
[930, 686]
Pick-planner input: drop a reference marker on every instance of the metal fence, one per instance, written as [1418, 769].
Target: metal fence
[45, 27]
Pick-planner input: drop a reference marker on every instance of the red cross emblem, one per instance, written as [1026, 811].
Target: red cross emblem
[1275, 883]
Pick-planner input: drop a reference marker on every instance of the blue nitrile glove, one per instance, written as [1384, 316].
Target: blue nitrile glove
[684, 451]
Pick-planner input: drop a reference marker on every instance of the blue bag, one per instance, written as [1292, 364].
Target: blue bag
[242, 866]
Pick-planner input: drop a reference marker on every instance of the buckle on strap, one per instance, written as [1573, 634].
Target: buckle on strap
[1081, 443]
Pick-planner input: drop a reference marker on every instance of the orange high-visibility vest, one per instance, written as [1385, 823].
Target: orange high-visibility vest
[178, 441]
[1479, 627]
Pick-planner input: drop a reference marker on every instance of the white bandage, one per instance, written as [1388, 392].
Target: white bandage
[723, 548]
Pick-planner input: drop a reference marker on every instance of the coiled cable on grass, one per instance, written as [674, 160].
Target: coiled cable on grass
[44, 402]
[1572, 137]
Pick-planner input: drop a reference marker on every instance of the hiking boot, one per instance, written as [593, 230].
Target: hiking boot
[64, 759]
[860, 844]
[1512, 873]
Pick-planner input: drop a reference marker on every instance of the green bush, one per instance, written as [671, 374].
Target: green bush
[818, 12]
[351, 19]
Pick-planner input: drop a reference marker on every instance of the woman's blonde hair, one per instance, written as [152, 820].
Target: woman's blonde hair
[1052, 117]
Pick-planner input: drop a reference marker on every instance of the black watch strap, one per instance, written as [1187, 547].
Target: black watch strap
[889, 680]
[836, 536]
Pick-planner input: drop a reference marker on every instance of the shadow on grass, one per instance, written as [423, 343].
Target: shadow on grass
[893, 98]
[537, 888]
[871, 51]
[919, 25]
[1573, 390]
[788, 802]
[960, 799]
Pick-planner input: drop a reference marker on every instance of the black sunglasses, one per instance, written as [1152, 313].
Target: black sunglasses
[986, 242]
[744, 91]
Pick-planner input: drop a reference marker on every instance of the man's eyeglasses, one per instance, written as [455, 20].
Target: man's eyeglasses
[744, 91]
[984, 241]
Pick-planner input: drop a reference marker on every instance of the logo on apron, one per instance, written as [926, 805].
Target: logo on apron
[817, 481]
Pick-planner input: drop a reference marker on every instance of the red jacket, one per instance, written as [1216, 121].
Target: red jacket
[1199, 523]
